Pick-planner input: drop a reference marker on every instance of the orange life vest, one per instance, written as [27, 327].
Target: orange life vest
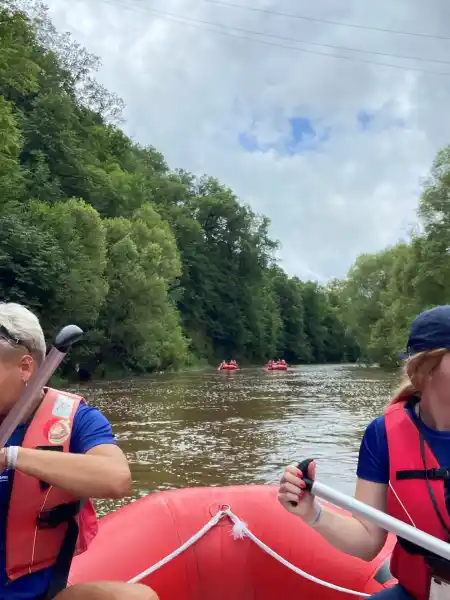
[408, 477]
[42, 518]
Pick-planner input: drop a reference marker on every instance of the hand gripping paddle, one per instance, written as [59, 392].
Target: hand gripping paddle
[380, 518]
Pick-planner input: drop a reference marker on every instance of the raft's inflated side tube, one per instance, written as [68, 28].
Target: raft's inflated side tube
[217, 567]
[228, 368]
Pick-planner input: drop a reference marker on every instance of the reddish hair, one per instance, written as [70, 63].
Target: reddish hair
[416, 369]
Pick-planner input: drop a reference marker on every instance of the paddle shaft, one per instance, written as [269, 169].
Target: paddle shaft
[31, 397]
[403, 530]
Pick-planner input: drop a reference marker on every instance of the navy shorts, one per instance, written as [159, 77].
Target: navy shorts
[397, 592]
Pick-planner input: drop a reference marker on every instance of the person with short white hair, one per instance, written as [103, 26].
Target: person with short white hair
[60, 457]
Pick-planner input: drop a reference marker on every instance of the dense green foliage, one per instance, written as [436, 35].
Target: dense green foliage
[159, 267]
[385, 291]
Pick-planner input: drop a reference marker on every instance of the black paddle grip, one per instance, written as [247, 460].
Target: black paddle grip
[66, 337]
[303, 467]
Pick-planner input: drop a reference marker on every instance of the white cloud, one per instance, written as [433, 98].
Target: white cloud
[191, 92]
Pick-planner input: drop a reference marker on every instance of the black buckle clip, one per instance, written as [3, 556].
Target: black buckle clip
[441, 473]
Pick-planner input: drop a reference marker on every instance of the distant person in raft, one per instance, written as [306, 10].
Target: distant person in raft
[403, 469]
[38, 540]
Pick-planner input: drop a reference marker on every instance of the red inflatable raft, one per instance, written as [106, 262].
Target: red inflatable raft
[276, 367]
[220, 565]
[228, 367]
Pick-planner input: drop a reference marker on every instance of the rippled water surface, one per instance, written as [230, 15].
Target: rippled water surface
[215, 428]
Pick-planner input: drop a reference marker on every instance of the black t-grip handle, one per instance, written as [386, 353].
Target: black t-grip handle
[303, 467]
[66, 337]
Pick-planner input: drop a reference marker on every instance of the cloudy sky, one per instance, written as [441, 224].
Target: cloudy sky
[333, 150]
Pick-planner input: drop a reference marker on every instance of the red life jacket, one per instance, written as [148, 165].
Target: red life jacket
[42, 517]
[407, 477]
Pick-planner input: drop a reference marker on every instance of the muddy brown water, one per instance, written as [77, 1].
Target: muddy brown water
[210, 428]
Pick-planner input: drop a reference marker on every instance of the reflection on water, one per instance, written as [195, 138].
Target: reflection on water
[215, 428]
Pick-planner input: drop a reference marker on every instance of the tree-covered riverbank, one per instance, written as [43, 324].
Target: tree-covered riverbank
[383, 292]
[162, 268]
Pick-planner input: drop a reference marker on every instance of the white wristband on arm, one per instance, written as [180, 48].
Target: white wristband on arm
[12, 452]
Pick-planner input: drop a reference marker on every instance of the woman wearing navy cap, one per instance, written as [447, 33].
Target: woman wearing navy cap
[403, 469]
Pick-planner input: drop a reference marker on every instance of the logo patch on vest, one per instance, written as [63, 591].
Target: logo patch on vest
[63, 406]
[58, 431]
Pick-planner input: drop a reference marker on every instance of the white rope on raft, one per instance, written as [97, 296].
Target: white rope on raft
[190, 542]
[240, 531]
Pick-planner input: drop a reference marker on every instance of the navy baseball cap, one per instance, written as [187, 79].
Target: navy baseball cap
[429, 330]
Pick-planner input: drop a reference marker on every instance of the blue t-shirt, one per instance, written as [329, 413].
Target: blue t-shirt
[373, 462]
[90, 428]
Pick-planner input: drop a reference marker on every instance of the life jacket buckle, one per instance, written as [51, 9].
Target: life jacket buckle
[62, 513]
[439, 473]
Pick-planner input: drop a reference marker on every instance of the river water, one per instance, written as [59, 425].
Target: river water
[215, 428]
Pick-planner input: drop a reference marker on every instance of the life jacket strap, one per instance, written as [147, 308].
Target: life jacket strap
[52, 518]
[442, 473]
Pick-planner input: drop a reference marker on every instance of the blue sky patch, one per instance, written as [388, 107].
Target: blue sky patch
[298, 137]
[378, 120]
[365, 119]
[248, 141]
[300, 128]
